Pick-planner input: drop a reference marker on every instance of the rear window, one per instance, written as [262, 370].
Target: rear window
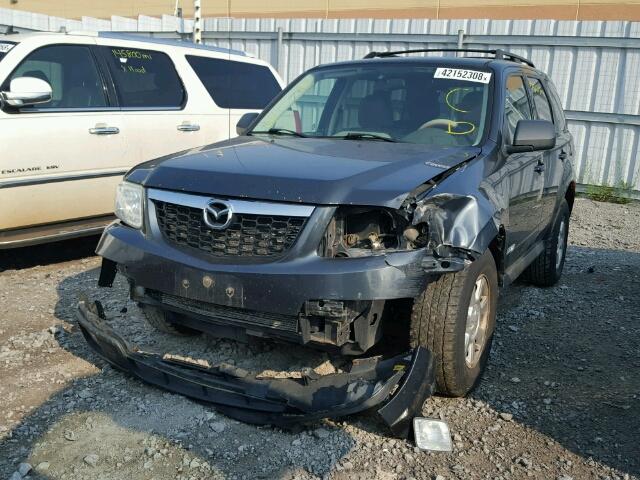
[5, 47]
[144, 78]
[238, 85]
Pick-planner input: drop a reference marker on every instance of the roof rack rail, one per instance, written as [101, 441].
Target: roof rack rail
[497, 54]
[8, 30]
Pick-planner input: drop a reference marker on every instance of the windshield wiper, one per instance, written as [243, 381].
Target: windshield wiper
[281, 131]
[365, 136]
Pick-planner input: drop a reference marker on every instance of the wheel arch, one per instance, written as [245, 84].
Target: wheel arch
[496, 247]
[570, 195]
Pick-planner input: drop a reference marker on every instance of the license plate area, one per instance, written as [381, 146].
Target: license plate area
[222, 289]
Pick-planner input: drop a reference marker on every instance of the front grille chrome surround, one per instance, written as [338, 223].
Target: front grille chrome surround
[257, 229]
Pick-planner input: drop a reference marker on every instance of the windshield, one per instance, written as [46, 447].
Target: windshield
[428, 105]
[5, 47]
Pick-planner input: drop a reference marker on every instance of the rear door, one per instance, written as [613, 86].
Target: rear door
[526, 177]
[553, 159]
[60, 160]
[237, 86]
[159, 115]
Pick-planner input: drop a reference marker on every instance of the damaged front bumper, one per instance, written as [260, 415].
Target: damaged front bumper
[333, 303]
[397, 386]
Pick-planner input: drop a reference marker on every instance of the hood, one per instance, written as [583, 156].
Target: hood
[305, 170]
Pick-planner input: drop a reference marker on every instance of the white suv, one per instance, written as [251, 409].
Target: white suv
[79, 110]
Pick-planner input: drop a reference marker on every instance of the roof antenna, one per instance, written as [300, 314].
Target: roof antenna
[63, 29]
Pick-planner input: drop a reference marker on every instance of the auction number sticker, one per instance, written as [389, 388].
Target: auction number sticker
[460, 74]
[5, 47]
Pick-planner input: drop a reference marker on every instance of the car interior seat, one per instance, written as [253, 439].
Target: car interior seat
[375, 113]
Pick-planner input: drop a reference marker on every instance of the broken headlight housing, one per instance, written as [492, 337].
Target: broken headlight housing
[365, 231]
[130, 203]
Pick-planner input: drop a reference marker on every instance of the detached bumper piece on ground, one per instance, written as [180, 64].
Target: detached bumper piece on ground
[397, 386]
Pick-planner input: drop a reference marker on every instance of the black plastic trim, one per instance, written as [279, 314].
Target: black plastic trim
[402, 383]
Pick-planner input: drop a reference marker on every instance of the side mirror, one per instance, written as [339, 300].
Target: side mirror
[24, 91]
[533, 135]
[245, 122]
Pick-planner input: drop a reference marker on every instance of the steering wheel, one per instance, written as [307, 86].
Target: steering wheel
[450, 126]
[443, 123]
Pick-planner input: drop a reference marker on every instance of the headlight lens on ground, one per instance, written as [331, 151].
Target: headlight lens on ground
[129, 203]
[432, 434]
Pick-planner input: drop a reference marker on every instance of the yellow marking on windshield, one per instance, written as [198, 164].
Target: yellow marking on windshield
[467, 132]
[450, 105]
[472, 126]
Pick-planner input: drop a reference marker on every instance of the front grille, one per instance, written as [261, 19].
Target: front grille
[230, 315]
[247, 235]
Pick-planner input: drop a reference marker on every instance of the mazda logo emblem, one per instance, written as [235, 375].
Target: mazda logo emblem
[218, 214]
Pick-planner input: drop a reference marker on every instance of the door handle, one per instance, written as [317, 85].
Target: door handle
[563, 155]
[188, 127]
[539, 168]
[102, 129]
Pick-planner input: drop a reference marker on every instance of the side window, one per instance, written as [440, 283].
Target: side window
[558, 113]
[144, 78]
[516, 106]
[238, 85]
[72, 73]
[540, 100]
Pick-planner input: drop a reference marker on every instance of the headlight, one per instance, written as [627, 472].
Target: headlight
[129, 203]
[364, 231]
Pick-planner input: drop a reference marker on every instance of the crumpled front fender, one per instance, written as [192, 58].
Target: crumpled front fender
[463, 222]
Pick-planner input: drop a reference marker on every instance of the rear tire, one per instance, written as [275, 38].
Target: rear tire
[162, 320]
[546, 269]
[455, 318]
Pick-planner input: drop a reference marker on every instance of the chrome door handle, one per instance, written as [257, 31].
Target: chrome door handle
[188, 127]
[104, 130]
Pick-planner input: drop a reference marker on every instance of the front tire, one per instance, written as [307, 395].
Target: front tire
[546, 269]
[455, 318]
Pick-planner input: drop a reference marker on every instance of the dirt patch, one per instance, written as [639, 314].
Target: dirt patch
[560, 400]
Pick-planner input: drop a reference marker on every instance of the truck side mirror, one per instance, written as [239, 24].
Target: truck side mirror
[245, 122]
[25, 91]
[533, 135]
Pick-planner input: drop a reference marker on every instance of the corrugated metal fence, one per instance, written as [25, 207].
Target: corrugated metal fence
[595, 65]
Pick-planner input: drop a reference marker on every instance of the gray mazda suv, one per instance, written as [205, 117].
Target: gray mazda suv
[374, 202]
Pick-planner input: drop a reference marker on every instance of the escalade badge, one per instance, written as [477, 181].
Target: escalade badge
[218, 214]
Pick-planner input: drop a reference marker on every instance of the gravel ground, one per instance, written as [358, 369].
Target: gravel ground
[560, 399]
